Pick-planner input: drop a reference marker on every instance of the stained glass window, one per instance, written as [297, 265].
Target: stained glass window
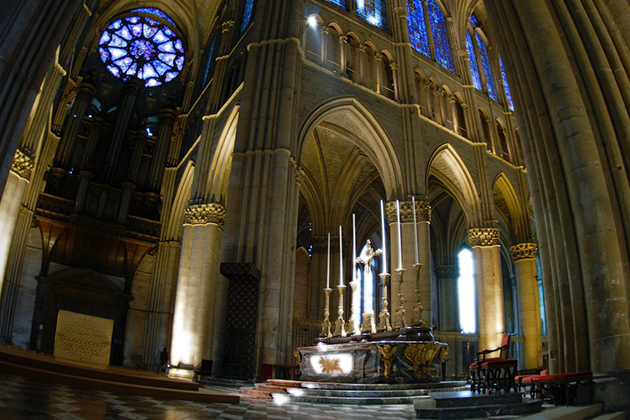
[209, 62]
[506, 87]
[487, 68]
[417, 27]
[340, 3]
[247, 14]
[156, 12]
[373, 12]
[142, 47]
[440, 36]
[472, 59]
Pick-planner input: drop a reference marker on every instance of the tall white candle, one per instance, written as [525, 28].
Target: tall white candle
[399, 235]
[415, 227]
[328, 270]
[340, 258]
[383, 234]
[354, 248]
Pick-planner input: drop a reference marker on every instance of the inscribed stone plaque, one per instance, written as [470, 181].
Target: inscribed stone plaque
[83, 339]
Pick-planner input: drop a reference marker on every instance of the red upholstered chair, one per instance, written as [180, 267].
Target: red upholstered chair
[494, 373]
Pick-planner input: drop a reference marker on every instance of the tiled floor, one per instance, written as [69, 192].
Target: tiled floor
[22, 398]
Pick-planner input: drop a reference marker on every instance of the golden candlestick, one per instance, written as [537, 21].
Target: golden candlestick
[326, 325]
[340, 329]
[353, 310]
[384, 324]
[400, 312]
[417, 308]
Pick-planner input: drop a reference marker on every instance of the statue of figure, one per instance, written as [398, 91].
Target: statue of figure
[367, 255]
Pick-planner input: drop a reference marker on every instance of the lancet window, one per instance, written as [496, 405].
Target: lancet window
[506, 86]
[373, 12]
[248, 10]
[479, 59]
[435, 34]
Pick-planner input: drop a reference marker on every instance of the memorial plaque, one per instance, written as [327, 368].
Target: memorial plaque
[83, 339]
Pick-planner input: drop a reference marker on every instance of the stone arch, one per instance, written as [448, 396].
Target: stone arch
[508, 206]
[221, 164]
[448, 167]
[174, 225]
[369, 136]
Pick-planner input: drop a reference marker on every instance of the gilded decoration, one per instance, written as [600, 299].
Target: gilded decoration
[202, 214]
[388, 355]
[298, 356]
[421, 355]
[483, 237]
[524, 251]
[423, 211]
[330, 365]
[22, 165]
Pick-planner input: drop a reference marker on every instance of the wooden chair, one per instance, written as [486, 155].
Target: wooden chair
[494, 373]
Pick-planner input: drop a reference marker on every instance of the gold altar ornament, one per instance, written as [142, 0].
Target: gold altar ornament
[388, 355]
[421, 355]
[330, 365]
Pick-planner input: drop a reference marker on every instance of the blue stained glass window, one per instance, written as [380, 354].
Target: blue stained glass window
[417, 27]
[472, 59]
[209, 62]
[142, 47]
[487, 69]
[340, 3]
[373, 12]
[440, 36]
[473, 21]
[156, 12]
[247, 14]
[506, 87]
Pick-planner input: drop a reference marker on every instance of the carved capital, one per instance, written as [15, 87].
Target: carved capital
[423, 211]
[524, 251]
[22, 165]
[202, 214]
[227, 25]
[483, 237]
[299, 175]
[170, 244]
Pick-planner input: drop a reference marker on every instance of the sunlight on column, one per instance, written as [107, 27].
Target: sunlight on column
[466, 292]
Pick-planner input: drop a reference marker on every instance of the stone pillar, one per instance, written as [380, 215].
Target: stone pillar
[167, 119]
[193, 320]
[130, 90]
[74, 124]
[524, 256]
[378, 59]
[343, 41]
[484, 243]
[394, 66]
[447, 276]
[409, 256]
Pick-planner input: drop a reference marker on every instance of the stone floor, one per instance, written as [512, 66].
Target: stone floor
[22, 398]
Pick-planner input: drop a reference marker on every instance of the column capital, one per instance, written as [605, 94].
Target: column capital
[524, 251]
[202, 214]
[423, 211]
[227, 25]
[483, 237]
[22, 165]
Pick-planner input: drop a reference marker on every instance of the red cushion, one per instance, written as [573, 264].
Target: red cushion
[576, 376]
[476, 363]
[498, 363]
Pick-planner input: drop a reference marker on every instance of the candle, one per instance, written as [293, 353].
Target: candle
[354, 248]
[328, 271]
[340, 258]
[399, 235]
[383, 234]
[415, 227]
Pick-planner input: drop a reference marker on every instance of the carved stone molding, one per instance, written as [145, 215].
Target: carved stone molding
[22, 165]
[524, 251]
[201, 214]
[483, 237]
[170, 244]
[299, 175]
[423, 211]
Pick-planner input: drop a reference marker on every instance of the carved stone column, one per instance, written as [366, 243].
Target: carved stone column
[193, 319]
[524, 256]
[74, 122]
[484, 243]
[166, 122]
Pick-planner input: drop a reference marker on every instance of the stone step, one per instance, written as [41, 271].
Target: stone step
[272, 388]
[256, 393]
[431, 386]
[350, 400]
[357, 393]
[468, 398]
[425, 411]
[285, 383]
[576, 412]
[620, 415]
